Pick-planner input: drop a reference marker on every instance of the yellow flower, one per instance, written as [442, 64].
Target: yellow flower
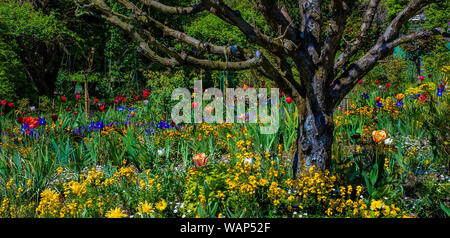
[161, 206]
[400, 96]
[145, 208]
[59, 170]
[115, 213]
[77, 188]
[276, 202]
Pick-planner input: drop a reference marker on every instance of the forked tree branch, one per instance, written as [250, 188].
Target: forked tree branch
[353, 46]
[384, 46]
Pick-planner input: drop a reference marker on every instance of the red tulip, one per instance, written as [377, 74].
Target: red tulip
[145, 94]
[377, 99]
[377, 82]
[63, 98]
[422, 97]
[54, 118]
[360, 81]
[194, 105]
[75, 113]
[101, 108]
[31, 122]
[200, 159]
[289, 100]
[78, 96]
[421, 77]
[388, 85]
[282, 94]
[96, 100]
[10, 104]
[3, 102]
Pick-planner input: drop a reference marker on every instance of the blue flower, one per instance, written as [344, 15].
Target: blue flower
[440, 92]
[24, 128]
[120, 108]
[42, 121]
[399, 103]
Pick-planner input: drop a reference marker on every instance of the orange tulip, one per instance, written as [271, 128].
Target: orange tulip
[200, 159]
[379, 136]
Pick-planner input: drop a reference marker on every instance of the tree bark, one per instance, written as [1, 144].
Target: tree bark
[314, 140]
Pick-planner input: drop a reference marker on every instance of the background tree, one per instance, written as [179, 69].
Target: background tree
[310, 63]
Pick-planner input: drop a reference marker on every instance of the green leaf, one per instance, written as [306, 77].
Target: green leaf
[445, 209]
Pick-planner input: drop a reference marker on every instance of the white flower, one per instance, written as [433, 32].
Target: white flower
[32, 108]
[248, 160]
[380, 87]
[388, 141]
[146, 101]
[183, 216]
[161, 151]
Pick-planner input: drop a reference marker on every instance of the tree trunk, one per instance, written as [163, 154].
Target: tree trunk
[314, 141]
[314, 135]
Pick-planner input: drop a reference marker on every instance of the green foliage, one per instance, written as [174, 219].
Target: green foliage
[23, 20]
[10, 70]
[161, 85]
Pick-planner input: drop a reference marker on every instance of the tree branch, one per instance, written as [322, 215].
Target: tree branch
[218, 8]
[353, 46]
[177, 59]
[174, 10]
[339, 10]
[385, 45]
[311, 18]
[276, 17]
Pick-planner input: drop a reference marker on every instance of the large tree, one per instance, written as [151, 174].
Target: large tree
[327, 72]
